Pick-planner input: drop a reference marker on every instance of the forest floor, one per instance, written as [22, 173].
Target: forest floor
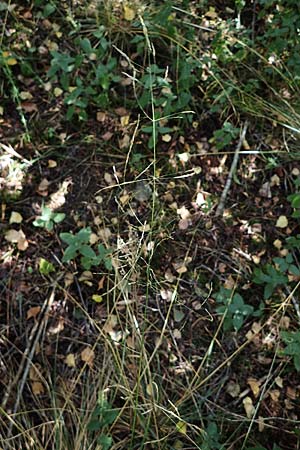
[134, 313]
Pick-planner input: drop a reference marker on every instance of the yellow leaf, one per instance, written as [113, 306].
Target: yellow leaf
[181, 427]
[129, 13]
[249, 408]
[70, 360]
[97, 298]
[15, 217]
[57, 91]
[254, 385]
[282, 222]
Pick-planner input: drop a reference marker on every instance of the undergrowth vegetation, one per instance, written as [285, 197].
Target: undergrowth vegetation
[149, 169]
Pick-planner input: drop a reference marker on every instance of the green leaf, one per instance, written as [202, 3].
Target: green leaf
[45, 267]
[87, 251]
[105, 441]
[296, 201]
[58, 217]
[70, 253]
[48, 10]
[68, 238]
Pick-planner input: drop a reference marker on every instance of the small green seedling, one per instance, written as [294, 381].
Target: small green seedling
[292, 341]
[79, 245]
[270, 277]
[234, 308]
[48, 218]
[46, 267]
[103, 416]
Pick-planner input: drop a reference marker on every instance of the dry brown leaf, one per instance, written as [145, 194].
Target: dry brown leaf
[33, 312]
[57, 199]
[274, 394]
[43, 187]
[107, 136]
[183, 224]
[69, 279]
[291, 393]
[101, 116]
[37, 388]
[17, 237]
[121, 111]
[265, 190]
[29, 107]
[88, 356]
[110, 323]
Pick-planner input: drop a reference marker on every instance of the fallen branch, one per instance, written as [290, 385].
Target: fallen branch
[221, 206]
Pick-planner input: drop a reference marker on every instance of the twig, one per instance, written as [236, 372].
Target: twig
[221, 206]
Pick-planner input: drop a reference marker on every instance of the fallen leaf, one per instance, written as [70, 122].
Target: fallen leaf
[129, 13]
[265, 190]
[107, 136]
[282, 222]
[183, 224]
[15, 217]
[249, 407]
[25, 95]
[181, 427]
[51, 163]
[17, 237]
[183, 212]
[254, 385]
[88, 356]
[69, 279]
[166, 138]
[233, 389]
[37, 388]
[108, 179]
[29, 107]
[35, 378]
[101, 116]
[58, 199]
[125, 120]
[33, 312]
[70, 360]
[277, 244]
[57, 92]
[274, 394]
[43, 187]
[97, 298]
